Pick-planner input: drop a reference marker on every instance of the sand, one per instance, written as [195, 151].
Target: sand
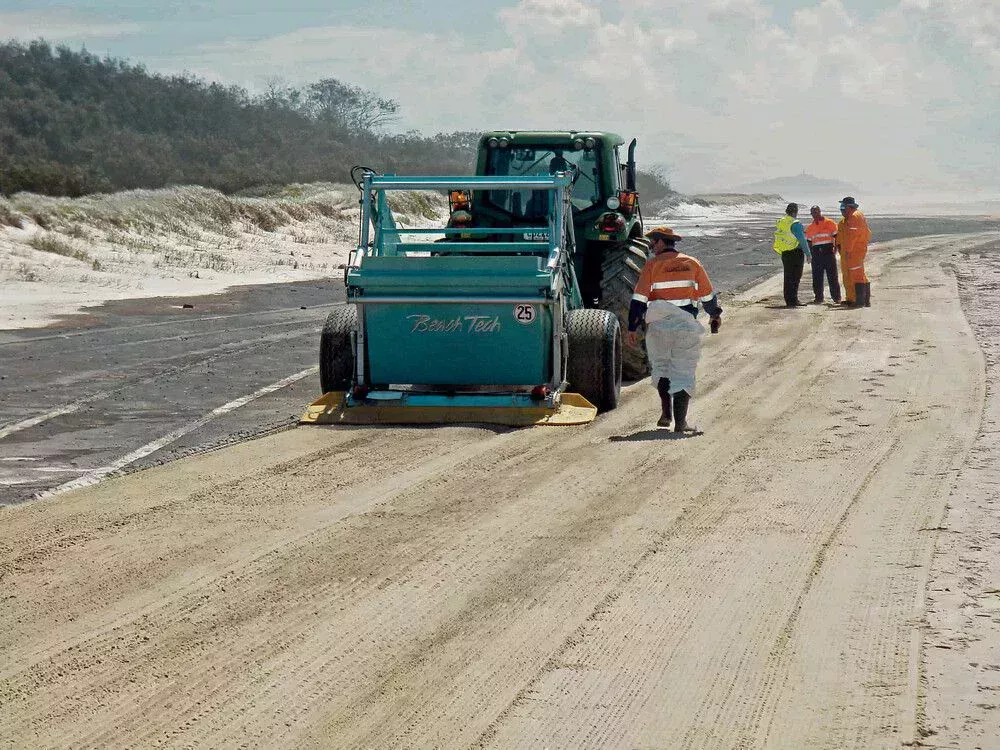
[799, 576]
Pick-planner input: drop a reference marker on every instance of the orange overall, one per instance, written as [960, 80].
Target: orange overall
[853, 235]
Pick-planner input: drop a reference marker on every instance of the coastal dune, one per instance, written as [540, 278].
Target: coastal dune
[59, 254]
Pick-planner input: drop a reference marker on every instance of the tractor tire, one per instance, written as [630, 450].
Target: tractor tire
[336, 352]
[594, 365]
[619, 273]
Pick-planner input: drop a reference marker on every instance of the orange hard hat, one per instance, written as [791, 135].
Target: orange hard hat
[665, 233]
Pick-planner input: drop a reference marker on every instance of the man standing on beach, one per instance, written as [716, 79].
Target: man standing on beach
[853, 235]
[791, 244]
[666, 298]
[820, 234]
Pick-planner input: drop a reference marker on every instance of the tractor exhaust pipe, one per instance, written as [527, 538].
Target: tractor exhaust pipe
[630, 167]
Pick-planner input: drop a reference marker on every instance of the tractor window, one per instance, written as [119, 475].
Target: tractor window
[542, 160]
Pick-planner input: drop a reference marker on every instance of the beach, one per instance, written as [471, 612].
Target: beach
[60, 255]
[819, 568]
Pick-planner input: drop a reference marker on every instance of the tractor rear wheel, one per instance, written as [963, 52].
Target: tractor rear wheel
[619, 273]
[594, 365]
[336, 353]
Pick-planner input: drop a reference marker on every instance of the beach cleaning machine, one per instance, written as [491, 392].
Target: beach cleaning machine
[467, 323]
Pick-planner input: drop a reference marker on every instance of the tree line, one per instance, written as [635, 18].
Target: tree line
[73, 123]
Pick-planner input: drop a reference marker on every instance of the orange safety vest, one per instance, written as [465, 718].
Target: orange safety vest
[821, 232]
[679, 279]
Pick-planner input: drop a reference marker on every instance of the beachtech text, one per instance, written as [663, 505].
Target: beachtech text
[458, 324]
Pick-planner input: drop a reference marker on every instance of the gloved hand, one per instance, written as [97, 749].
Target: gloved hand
[715, 324]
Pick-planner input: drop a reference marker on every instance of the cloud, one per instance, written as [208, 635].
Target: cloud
[548, 17]
[67, 27]
[437, 78]
[719, 91]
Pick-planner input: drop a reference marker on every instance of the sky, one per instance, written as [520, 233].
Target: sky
[888, 95]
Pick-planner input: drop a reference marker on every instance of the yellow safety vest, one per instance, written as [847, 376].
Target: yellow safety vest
[784, 240]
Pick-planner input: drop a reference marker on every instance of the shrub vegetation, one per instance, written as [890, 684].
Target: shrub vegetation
[73, 123]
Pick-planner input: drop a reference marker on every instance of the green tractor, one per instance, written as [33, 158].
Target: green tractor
[607, 221]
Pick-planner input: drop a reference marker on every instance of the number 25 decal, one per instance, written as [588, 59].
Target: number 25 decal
[524, 314]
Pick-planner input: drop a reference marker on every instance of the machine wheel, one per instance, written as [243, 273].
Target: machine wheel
[619, 273]
[336, 354]
[594, 367]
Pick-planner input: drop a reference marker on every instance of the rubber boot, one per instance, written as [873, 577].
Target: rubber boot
[681, 401]
[859, 295]
[663, 387]
[868, 294]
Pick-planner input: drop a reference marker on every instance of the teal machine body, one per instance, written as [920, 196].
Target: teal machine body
[455, 317]
[473, 308]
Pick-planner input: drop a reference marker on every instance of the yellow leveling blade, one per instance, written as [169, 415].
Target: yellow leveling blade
[330, 408]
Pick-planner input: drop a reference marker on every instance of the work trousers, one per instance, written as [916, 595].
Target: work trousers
[824, 263]
[793, 262]
[852, 267]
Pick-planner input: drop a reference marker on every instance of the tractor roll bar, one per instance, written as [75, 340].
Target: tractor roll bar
[542, 301]
[528, 182]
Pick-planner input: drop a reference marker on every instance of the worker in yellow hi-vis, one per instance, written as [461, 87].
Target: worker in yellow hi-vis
[791, 244]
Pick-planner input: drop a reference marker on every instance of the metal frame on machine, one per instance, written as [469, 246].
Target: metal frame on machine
[560, 237]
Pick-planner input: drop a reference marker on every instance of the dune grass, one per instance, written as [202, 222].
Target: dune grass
[184, 210]
[49, 243]
[9, 217]
[192, 232]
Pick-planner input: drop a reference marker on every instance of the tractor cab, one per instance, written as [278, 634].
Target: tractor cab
[604, 199]
[539, 160]
[607, 221]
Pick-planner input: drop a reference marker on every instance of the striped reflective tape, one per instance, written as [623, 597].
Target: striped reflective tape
[681, 284]
[640, 297]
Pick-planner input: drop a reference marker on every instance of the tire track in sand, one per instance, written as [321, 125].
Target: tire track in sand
[593, 587]
[518, 455]
[680, 659]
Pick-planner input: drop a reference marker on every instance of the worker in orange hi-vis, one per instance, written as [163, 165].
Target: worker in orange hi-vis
[853, 236]
[820, 234]
[666, 300]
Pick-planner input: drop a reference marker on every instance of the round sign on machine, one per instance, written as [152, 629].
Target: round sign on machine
[524, 314]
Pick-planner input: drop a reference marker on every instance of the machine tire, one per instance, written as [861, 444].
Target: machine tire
[619, 273]
[336, 352]
[594, 365]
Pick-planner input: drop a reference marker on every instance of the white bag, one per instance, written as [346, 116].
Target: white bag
[673, 343]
